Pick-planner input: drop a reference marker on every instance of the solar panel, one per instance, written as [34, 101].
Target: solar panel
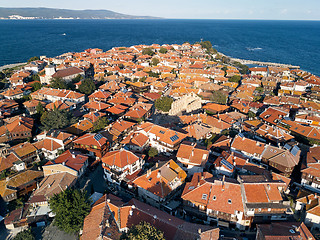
[295, 150]
[162, 132]
[98, 136]
[174, 138]
[96, 114]
[227, 164]
[287, 146]
[241, 135]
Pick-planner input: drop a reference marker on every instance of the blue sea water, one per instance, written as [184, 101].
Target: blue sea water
[291, 42]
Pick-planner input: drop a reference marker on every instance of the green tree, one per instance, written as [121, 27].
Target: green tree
[152, 152]
[251, 114]
[163, 50]
[70, 208]
[100, 124]
[57, 119]
[163, 104]
[39, 109]
[235, 78]
[218, 97]
[33, 59]
[77, 78]
[242, 68]
[154, 61]
[24, 235]
[87, 86]
[36, 86]
[58, 83]
[35, 77]
[143, 231]
[147, 51]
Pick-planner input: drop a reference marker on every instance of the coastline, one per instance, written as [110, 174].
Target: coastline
[11, 65]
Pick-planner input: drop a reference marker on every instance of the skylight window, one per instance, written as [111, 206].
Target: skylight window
[214, 198]
[229, 201]
[204, 196]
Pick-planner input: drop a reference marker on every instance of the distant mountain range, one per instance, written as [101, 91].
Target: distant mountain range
[53, 13]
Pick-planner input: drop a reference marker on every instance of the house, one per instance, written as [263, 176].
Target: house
[49, 186]
[264, 71]
[25, 152]
[31, 106]
[52, 95]
[161, 183]
[8, 107]
[310, 177]
[120, 128]
[13, 93]
[136, 141]
[163, 139]
[19, 185]
[191, 157]
[17, 128]
[198, 131]
[110, 216]
[264, 199]
[99, 96]
[139, 112]
[70, 161]
[214, 200]
[92, 143]
[66, 74]
[247, 147]
[80, 127]
[119, 164]
[281, 160]
[284, 231]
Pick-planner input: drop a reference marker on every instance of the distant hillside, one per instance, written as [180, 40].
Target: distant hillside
[52, 13]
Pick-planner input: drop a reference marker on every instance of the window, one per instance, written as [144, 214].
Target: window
[229, 201]
[214, 197]
[204, 196]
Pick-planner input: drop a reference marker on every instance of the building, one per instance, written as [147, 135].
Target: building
[283, 231]
[192, 158]
[103, 223]
[92, 143]
[70, 161]
[19, 185]
[120, 164]
[161, 183]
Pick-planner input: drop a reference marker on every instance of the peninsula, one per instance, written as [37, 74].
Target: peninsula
[172, 141]
[53, 13]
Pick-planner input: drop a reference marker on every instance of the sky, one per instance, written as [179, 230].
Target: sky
[190, 9]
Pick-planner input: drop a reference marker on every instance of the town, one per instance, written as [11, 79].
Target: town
[177, 139]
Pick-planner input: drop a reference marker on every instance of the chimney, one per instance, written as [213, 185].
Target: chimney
[199, 230]
[157, 164]
[223, 178]
[158, 174]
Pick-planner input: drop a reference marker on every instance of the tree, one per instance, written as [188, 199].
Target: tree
[39, 109]
[35, 77]
[147, 51]
[143, 231]
[155, 61]
[57, 119]
[163, 104]
[152, 152]
[242, 68]
[33, 59]
[58, 83]
[24, 235]
[100, 124]
[87, 86]
[163, 50]
[36, 86]
[251, 115]
[70, 208]
[235, 78]
[218, 97]
[77, 78]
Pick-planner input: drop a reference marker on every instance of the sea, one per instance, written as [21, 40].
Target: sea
[289, 42]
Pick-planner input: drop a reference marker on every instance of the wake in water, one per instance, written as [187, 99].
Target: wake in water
[253, 49]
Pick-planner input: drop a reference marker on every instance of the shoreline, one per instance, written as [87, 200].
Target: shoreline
[11, 65]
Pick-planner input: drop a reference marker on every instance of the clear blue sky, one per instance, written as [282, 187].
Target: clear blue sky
[193, 9]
